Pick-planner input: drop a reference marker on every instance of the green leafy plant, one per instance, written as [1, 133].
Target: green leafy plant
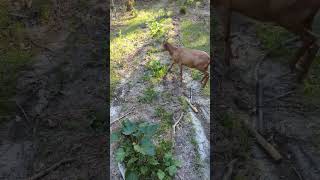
[148, 95]
[156, 29]
[155, 70]
[166, 118]
[196, 75]
[141, 157]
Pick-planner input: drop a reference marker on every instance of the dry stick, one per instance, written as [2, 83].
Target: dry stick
[23, 112]
[228, 174]
[264, 143]
[123, 115]
[297, 172]
[176, 123]
[18, 15]
[192, 106]
[259, 85]
[174, 127]
[259, 105]
[278, 97]
[53, 167]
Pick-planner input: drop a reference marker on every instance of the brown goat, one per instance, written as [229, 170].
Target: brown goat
[189, 57]
[294, 15]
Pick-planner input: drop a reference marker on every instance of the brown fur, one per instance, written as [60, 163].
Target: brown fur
[189, 57]
[294, 15]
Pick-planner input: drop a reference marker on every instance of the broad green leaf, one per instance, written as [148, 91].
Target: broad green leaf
[177, 163]
[115, 136]
[149, 130]
[147, 146]
[160, 174]
[128, 127]
[132, 160]
[153, 161]
[137, 148]
[132, 175]
[143, 170]
[167, 156]
[172, 170]
[120, 155]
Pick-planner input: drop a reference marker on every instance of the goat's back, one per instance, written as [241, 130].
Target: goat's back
[194, 58]
[295, 15]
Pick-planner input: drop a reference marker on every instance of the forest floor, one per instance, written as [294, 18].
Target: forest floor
[55, 116]
[138, 64]
[290, 111]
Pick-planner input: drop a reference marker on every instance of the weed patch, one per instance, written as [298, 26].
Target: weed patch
[14, 58]
[238, 135]
[184, 104]
[271, 36]
[148, 95]
[166, 119]
[155, 71]
[142, 158]
[311, 86]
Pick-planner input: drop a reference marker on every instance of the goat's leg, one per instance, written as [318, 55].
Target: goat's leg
[311, 54]
[307, 42]
[204, 76]
[206, 80]
[181, 72]
[168, 70]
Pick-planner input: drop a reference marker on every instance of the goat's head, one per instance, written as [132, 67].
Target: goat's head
[167, 46]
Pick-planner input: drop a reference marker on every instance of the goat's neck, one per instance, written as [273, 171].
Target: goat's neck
[171, 48]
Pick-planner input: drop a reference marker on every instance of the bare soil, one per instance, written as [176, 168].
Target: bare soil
[290, 122]
[61, 98]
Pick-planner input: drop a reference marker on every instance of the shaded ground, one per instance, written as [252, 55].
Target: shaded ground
[138, 88]
[61, 97]
[290, 111]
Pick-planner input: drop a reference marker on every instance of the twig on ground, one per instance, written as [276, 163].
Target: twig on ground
[191, 94]
[176, 123]
[131, 111]
[18, 15]
[278, 97]
[230, 166]
[192, 106]
[48, 170]
[42, 47]
[23, 112]
[259, 103]
[174, 127]
[263, 142]
[297, 172]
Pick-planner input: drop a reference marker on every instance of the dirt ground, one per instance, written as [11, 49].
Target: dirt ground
[60, 98]
[290, 122]
[132, 86]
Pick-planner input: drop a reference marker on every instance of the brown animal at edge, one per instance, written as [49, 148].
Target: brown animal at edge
[294, 15]
[191, 58]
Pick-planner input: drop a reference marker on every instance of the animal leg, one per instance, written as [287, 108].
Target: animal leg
[307, 40]
[168, 70]
[311, 54]
[203, 78]
[206, 79]
[181, 72]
